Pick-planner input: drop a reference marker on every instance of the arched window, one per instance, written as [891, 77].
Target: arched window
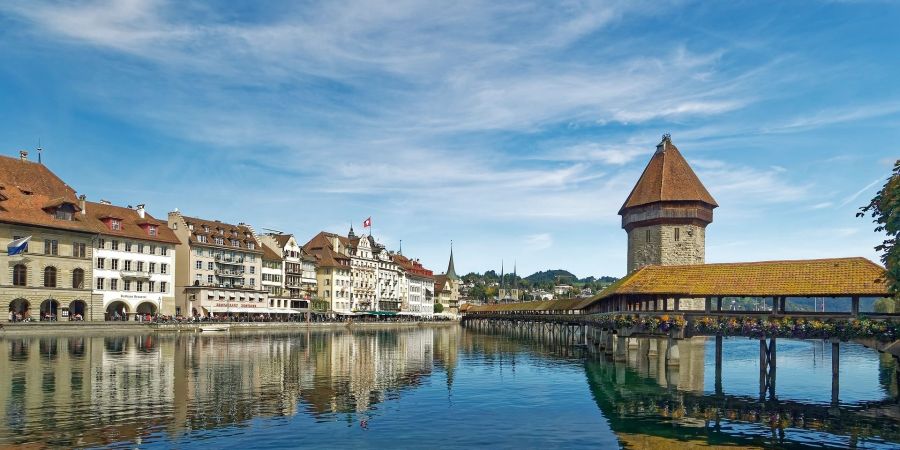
[20, 275]
[78, 278]
[50, 277]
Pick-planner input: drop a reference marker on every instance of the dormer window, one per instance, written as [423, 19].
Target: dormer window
[220, 241]
[251, 245]
[115, 224]
[191, 226]
[205, 229]
[63, 215]
[151, 230]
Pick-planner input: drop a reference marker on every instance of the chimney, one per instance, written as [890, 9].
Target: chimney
[23, 155]
[334, 244]
[140, 210]
[663, 144]
[82, 199]
[105, 202]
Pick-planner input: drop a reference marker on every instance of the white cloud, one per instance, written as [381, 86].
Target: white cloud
[540, 241]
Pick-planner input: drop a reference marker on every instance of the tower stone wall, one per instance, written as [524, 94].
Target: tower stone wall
[666, 245]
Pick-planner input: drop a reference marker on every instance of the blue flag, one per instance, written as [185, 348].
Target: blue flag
[18, 246]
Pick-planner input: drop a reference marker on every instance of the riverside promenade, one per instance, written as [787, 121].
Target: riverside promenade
[69, 328]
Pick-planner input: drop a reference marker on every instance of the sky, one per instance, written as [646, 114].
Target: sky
[513, 129]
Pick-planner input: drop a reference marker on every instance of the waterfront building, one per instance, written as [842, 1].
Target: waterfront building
[218, 267]
[50, 278]
[446, 288]
[333, 273]
[418, 284]
[133, 259]
[667, 212]
[272, 278]
[298, 268]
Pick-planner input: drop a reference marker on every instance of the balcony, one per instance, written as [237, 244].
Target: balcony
[230, 273]
[225, 259]
[135, 274]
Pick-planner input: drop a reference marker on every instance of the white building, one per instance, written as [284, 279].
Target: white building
[417, 283]
[134, 261]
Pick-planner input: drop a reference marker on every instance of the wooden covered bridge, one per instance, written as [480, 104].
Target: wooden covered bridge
[670, 303]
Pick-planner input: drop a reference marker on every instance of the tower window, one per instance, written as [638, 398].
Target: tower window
[677, 234]
[648, 235]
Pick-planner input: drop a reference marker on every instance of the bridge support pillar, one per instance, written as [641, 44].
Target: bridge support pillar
[835, 372]
[621, 353]
[643, 347]
[608, 347]
[673, 356]
[718, 381]
[652, 347]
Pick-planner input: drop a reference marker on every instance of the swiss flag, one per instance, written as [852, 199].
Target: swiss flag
[367, 223]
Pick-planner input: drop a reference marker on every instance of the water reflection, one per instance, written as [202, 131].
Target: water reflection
[401, 387]
[78, 391]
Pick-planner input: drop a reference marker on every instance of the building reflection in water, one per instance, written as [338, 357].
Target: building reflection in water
[94, 390]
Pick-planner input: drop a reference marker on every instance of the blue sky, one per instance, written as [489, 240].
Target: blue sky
[515, 129]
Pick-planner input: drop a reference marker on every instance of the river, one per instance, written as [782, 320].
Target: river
[426, 387]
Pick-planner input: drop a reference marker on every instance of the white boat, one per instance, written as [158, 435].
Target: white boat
[213, 327]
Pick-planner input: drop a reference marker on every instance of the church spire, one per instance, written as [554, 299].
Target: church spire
[451, 271]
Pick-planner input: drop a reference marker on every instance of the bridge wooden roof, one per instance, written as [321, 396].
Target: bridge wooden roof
[839, 277]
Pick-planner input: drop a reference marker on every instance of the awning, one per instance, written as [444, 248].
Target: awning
[378, 313]
[222, 309]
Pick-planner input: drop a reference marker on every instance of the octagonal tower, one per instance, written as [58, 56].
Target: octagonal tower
[667, 212]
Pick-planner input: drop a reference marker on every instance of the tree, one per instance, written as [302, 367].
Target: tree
[885, 211]
[438, 308]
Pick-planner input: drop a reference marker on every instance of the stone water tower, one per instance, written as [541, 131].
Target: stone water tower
[667, 212]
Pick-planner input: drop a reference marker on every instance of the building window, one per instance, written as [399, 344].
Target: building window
[209, 279]
[62, 214]
[126, 285]
[252, 269]
[220, 241]
[163, 268]
[127, 265]
[140, 266]
[252, 282]
[51, 247]
[152, 249]
[101, 243]
[152, 267]
[151, 230]
[677, 235]
[209, 266]
[140, 248]
[78, 279]
[162, 286]
[100, 283]
[114, 245]
[79, 250]
[20, 275]
[139, 286]
[50, 277]
[128, 246]
[151, 285]
[115, 224]
[114, 264]
[198, 265]
[114, 284]
[101, 263]
[648, 235]
[163, 250]
[251, 245]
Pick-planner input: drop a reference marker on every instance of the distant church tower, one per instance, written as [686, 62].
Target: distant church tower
[667, 212]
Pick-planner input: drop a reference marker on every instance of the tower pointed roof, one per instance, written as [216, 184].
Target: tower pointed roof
[451, 271]
[667, 178]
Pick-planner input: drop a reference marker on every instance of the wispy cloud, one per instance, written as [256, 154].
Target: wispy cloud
[540, 241]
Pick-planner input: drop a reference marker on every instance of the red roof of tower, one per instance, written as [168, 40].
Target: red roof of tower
[667, 177]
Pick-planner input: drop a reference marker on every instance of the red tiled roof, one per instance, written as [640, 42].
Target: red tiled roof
[132, 225]
[244, 234]
[30, 191]
[667, 177]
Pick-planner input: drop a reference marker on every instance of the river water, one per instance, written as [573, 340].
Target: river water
[427, 387]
